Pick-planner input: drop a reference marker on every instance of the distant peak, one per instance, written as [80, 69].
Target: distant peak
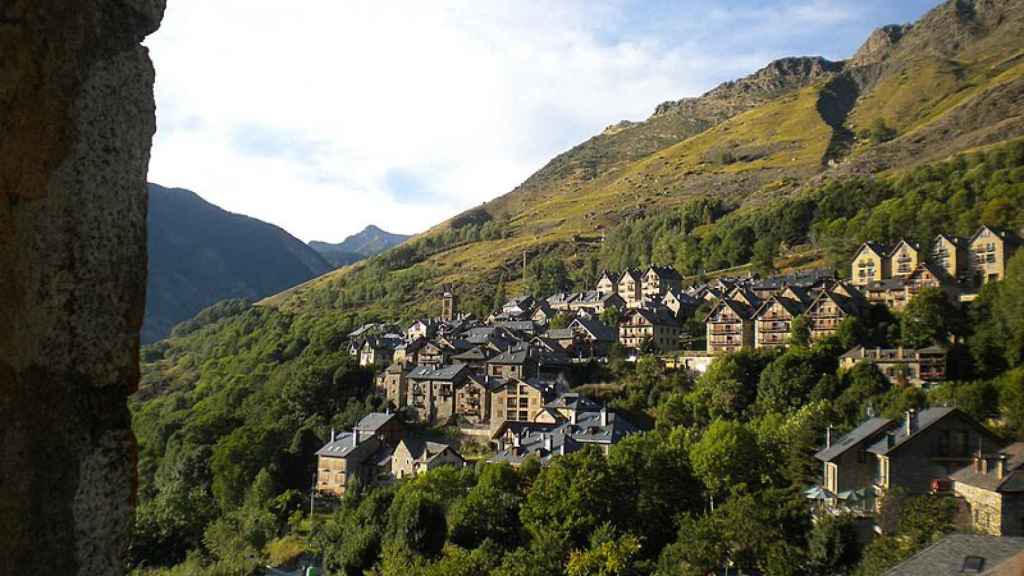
[879, 44]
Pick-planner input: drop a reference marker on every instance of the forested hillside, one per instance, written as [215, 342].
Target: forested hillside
[200, 254]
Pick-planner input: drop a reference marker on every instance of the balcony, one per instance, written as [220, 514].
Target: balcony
[773, 327]
[726, 329]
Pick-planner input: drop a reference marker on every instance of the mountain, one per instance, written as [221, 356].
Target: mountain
[370, 242]
[913, 94]
[200, 254]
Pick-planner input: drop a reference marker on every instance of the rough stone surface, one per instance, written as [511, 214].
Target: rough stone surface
[76, 124]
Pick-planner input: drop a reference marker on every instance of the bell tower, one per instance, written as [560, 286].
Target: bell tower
[448, 304]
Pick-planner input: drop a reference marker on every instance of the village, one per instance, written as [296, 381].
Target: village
[502, 380]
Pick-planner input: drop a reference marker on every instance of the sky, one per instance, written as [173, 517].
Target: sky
[325, 116]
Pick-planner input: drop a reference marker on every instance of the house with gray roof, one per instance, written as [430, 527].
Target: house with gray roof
[992, 487]
[415, 456]
[965, 554]
[847, 464]
[432, 391]
[348, 457]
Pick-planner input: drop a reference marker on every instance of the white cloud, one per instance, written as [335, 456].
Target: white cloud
[324, 116]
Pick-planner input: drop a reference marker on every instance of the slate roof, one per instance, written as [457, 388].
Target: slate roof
[374, 421]
[925, 418]
[514, 355]
[659, 316]
[888, 284]
[573, 401]
[1013, 481]
[532, 439]
[343, 446]
[742, 310]
[794, 307]
[863, 432]
[426, 450]
[444, 373]
[596, 328]
[526, 326]
[946, 557]
[588, 428]
[559, 334]
[877, 247]
[474, 354]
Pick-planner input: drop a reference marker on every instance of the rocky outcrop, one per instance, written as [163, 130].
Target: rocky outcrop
[879, 45]
[76, 124]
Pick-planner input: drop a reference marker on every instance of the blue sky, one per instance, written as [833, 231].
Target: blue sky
[329, 116]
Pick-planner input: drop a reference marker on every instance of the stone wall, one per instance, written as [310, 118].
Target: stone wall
[76, 124]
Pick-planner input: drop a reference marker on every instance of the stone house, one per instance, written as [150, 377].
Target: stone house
[927, 275]
[630, 288]
[518, 307]
[476, 357]
[413, 457]
[517, 400]
[421, 329]
[658, 327]
[870, 264]
[432, 391]
[473, 399]
[773, 321]
[990, 250]
[384, 425]
[659, 280]
[542, 443]
[377, 352]
[847, 463]
[348, 457]
[730, 326]
[992, 486]
[591, 338]
[543, 313]
[903, 259]
[409, 353]
[949, 253]
[925, 448]
[517, 361]
[680, 303]
[901, 365]
[393, 385]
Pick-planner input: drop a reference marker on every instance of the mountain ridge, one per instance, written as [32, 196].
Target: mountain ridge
[200, 254]
[370, 241]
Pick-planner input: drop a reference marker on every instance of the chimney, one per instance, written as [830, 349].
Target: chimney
[984, 465]
[333, 436]
[828, 436]
[890, 439]
[355, 437]
[501, 445]
[572, 417]
[911, 421]
[604, 416]
[1001, 467]
[547, 442]
[561, 448]
[515, 440]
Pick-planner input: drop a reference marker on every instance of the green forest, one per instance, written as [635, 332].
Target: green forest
[232, 408]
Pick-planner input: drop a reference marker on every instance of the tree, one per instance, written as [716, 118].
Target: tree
[766, 249]
[800, 331]
[611, 317]
[561, 320]
[787, 382]
[927, 319]
[608, 555]
[416, 523]
[726, 455]
[832, 546]
[485, 513]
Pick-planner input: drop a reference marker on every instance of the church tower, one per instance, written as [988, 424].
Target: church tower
[448, 304]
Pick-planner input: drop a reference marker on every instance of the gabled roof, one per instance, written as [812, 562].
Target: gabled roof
[925, 266]
[533, 440]
[426, 450]
[447, 373]
[658, 317]
[573, 401]
[612, 276]
[344, 446]
[947, 556]
[597, 329]
[912, 245]
[881, 250]
[924, 420]
[588, 428]
[955, 240]
[1012, 481]
[844, 303]
[474, 354]
[865, 431]
[559, 334]
[513, 355]
[794, 307]
[374, 421]
[742, 310]
[1004, 235]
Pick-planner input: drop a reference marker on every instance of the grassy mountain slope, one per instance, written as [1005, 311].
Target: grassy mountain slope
[200, 254]
[953, 81]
